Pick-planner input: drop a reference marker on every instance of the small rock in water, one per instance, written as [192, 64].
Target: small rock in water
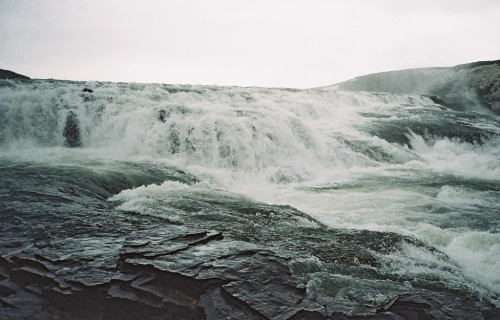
[72, 131]
[162, 115]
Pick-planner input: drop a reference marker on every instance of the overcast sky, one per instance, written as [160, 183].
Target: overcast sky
[276, 43]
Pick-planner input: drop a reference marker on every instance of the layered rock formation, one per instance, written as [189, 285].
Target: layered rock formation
[198, 275]
[473, 86]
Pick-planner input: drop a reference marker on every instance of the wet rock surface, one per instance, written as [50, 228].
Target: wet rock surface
[195, 275]
[177, 276]
[72, 131]
[66, 252]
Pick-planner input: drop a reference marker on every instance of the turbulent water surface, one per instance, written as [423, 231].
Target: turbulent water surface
[407, 190]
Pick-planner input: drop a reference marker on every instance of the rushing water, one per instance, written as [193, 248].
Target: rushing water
[422, 179]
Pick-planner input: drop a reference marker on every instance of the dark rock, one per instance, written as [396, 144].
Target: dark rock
[6, 74]
[225, 282]
[72, 131]
[438, 100]
[308, 315]
[434, 306]
[195, 275]
[5, 290]
[163, 115]
[87, 90]
[217, 306]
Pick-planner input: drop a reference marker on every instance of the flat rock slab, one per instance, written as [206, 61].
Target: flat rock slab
[195, 275]
[189, 275]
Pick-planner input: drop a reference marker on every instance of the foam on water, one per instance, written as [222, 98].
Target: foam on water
[462, 197]
[451, 156]
[478, 253]
[308, 149]
[217, 127]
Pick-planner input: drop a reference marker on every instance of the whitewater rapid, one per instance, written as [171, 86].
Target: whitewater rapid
[380, 162]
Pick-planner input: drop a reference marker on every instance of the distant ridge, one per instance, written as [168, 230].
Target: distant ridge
[6, 74]
[475, 64]
[471, 86]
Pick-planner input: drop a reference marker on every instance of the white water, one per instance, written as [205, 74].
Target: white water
[308, 149]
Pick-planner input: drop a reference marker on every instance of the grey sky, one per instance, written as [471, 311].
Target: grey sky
[287, 43]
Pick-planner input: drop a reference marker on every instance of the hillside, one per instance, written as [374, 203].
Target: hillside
[6, 74]
[472, 86]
